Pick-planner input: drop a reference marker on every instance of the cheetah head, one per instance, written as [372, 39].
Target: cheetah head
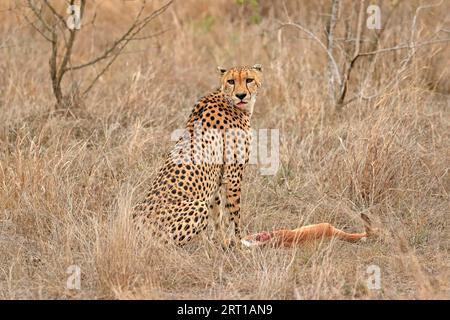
[241, 84]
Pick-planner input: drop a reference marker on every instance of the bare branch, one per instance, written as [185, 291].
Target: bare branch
[414, 22]
[120, 44]
[41, 32]
[135, 28]
[321, 44]
[61, 36]
[330, 45]
[422, 44]
[404, 46]
[55, 13]
[91, 85]
[54, 69]
[38, 15]
[153, 35]
[69, 45]
[348, 70]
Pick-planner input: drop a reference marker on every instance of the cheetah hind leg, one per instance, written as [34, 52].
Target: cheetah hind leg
[188, 223]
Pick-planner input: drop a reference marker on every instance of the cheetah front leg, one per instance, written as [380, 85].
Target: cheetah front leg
[233, 206]
[217, 217]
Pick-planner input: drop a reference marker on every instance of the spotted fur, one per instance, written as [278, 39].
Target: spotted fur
[206, 164]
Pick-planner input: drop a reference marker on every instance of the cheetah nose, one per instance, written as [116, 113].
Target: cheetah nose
[241, 95]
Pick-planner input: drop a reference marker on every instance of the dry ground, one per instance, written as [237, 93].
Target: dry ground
[67, 181]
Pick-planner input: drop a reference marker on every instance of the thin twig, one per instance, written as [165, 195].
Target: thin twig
[55, 13]
[403, 46]
[38, 15]
[32, 24]
[321, 44]
[125, 38]
[135, 29]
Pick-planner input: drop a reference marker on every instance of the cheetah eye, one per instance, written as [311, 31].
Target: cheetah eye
[250, 80]
[231, 81]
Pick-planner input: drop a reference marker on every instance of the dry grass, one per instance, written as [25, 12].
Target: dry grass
[67, 182]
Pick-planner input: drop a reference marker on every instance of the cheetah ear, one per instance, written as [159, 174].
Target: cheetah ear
[221, 70]
[258, 67]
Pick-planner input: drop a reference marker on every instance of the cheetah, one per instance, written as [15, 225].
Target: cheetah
[206, 164]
